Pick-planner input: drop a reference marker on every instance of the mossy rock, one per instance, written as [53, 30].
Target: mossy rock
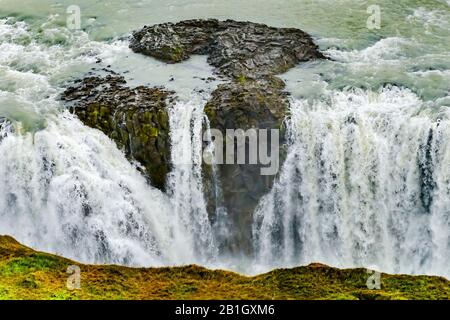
[135, 118]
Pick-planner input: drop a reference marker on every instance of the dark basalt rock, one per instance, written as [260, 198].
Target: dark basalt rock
[248, 103]
[250, 55]
[258, 104]
[235, 48]
[135, 118]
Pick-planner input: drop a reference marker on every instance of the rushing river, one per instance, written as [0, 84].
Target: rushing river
[366, 181]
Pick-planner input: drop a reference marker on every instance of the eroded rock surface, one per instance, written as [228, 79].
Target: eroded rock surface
[249, 104]
[249, 55]
[235, 48]
[135, 118]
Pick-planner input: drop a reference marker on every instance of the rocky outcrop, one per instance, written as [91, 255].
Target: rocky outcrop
[250, 55]
[235, 48]
[257, 104]
[248, 103]
[135, 118]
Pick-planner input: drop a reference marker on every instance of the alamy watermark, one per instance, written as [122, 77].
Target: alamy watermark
[374, 20]
[73, 20]
[74, 279]
[253, 146]
[374, 280]
[237, 146]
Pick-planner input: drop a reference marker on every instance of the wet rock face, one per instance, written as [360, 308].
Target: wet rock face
[135, 118]
[250, 55]
[235, 48]
[174, 43]
[250, 104]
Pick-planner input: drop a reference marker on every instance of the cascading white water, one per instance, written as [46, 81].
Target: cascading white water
[365, 183]
[185, 180]
[68, 189]
[5, 128]
[221, 223]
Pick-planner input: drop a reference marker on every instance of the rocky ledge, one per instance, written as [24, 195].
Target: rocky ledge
[135, 118]
[29, 274]
[235, 48]
[245, 104]
[248, 55]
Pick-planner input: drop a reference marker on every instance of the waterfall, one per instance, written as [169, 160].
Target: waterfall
[185, 180]
[67, 189]
[221, 222]
[365, 183]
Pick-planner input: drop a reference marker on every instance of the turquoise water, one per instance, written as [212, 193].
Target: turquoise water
[411, 48]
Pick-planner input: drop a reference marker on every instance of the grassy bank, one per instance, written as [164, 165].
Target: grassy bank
[28, 274]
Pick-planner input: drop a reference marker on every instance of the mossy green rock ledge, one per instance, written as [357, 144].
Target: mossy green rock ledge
[134, 117]
[29, 274]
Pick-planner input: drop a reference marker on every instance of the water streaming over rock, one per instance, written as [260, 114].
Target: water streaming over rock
[68, 189]
[365, 183]
[185, 180]
[366, 179]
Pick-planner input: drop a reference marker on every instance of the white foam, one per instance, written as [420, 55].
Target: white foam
[185, 180]
[69, 190]
[364, 184]
[66, 188]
